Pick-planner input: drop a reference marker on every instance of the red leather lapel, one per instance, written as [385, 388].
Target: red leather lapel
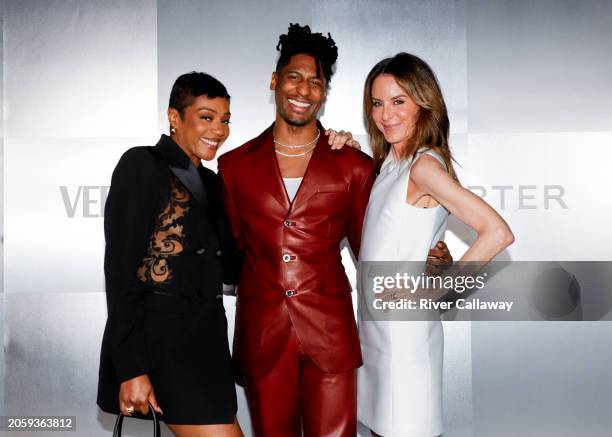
[315, 173]
[266, 167]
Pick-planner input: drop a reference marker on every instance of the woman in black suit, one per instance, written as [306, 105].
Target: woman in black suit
[169, 248]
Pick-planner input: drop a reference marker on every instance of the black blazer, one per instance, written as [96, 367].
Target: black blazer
[149, 185]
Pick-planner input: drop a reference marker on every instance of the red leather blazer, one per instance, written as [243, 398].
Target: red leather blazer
[293, 273]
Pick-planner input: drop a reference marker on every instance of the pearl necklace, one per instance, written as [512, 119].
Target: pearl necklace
[299, 146]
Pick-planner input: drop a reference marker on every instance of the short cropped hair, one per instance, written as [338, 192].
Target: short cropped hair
[189, 86]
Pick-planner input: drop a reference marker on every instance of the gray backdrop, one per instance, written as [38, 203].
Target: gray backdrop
[527, 86]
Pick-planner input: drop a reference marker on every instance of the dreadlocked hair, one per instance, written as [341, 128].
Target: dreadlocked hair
[300, 40]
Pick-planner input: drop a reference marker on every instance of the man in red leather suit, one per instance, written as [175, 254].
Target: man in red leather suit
[295, 341]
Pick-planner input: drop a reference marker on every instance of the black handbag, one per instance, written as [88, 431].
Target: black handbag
[119, 424]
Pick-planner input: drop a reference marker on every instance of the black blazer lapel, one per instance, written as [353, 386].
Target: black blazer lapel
[192, 181]
[216, 203]
[182, 167]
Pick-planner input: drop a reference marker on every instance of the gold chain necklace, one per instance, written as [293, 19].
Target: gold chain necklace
[291, 155]
[299, 146]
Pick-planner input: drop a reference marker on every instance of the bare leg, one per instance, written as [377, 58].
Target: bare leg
[232, 430]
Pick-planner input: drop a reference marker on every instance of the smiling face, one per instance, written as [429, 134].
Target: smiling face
[393, 111]
[202, 128]
[300, 90]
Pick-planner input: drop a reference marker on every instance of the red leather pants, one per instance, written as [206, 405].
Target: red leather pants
[297, 393]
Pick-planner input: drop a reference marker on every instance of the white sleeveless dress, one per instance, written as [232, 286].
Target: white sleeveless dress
[400, 383]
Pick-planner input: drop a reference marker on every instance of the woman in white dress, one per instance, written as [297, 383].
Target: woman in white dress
[400, 383]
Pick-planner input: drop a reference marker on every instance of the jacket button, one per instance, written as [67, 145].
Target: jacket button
[286, 257]
[219, 252]
[200, 251]
[290, 293]
[287, 223]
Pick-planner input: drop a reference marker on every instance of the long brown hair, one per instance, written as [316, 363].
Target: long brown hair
[432, 126]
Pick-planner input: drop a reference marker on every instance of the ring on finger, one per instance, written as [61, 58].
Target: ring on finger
[129, 410]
